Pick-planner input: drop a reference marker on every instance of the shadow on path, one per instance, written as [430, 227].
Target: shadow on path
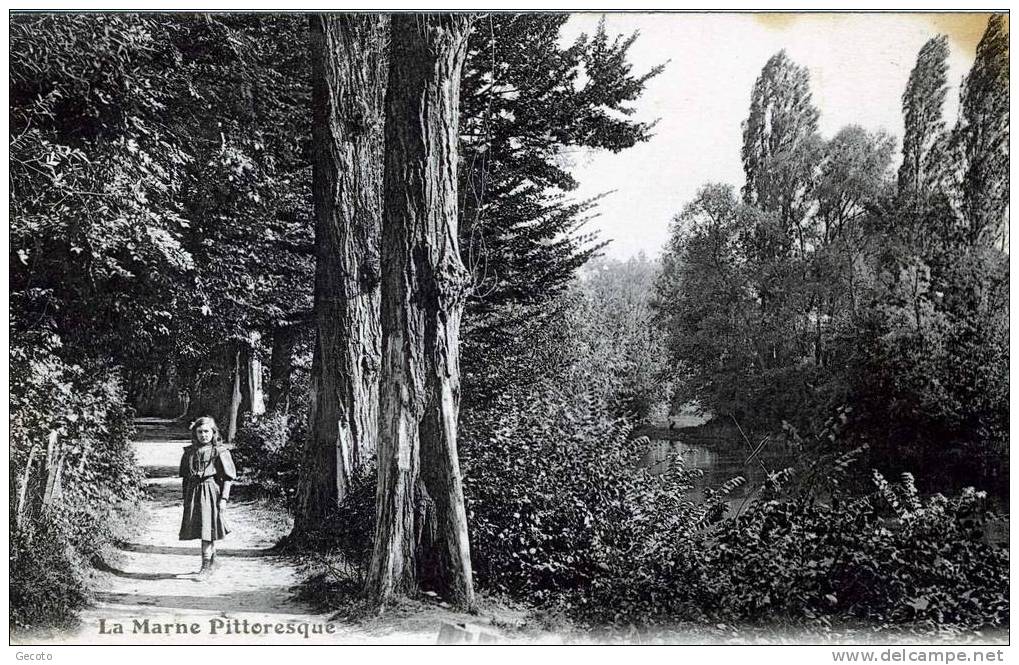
[162, 471]
[238, 601]
[107, 568]
[190, 551]
[162, 488]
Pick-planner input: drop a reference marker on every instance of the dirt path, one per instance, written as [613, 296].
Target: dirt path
[152, 576]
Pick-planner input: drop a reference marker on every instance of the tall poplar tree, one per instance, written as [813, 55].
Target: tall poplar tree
[922, 104]
[983, 134]
[781, 146]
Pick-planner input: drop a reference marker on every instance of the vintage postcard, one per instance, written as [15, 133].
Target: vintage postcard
[510, 327]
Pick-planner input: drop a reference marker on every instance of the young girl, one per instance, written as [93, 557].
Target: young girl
[208, 472]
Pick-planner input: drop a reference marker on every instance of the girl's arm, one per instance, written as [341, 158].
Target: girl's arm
[183, 471]
[228, 473]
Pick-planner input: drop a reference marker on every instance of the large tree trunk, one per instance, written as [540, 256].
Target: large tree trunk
[348, 70]
[421, 527]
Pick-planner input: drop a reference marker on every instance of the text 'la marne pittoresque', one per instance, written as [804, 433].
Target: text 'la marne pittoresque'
[216, 626]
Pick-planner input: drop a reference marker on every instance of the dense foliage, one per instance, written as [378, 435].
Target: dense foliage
[268, 451]
[890, 559]
[833, 283]
[71, 469]
[554, 489]
[620, 353]
[562, 512]
[144, 184]
[550, 470]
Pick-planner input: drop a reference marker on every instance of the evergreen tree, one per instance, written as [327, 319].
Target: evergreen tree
[527, 103]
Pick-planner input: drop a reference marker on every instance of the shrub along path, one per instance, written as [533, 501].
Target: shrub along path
[148, 583]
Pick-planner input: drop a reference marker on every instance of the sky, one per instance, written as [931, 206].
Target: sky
[859, 65]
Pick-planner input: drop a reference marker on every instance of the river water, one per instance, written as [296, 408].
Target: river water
[721, 458]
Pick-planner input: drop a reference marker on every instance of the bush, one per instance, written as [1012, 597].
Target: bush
[268, 451]
[333, 560]
[554, 495]
[339, 552]
[553, 488]
[46, 575]
[885, 559]
[71, 468]
[560, 513]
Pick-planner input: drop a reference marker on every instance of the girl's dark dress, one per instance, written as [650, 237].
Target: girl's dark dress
[204, 469]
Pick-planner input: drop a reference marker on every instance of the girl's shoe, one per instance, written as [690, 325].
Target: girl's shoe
[206, 569]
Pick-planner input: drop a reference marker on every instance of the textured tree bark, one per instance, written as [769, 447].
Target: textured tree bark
[421, 525]
[348, 84]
